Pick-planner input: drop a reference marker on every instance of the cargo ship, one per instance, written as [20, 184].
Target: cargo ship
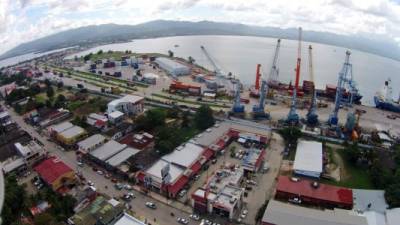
[384, 100]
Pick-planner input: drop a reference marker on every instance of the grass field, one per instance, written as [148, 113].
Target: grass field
[352, 176]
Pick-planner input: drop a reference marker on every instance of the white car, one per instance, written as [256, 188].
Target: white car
[182, 193]
[90, 183]
[127, 187]
[295, 200]
[194, 217]
[151, 205]
[100, 172]
[182, 220]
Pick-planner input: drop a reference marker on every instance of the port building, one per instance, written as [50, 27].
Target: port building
[308, 159]
[172, 67]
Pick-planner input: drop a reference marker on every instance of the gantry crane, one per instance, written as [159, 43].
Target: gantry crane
[293, 117]
[217, 70]
[237, 107]
[258, 110]
[344, 74]
[312, 116]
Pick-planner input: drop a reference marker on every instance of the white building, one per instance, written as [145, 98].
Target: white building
[172, 67]
[308, 160]
[127, 219]
[27, 156]
[91, 143]
[129, 104]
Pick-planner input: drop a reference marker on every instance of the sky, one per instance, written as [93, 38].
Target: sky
[25, 20]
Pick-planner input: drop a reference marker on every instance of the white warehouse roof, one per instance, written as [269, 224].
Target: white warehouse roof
[308, 156]
[91, 141]
[186, 156]
[108, 150]
[284, 214]
[172, 67]
[155, 170]
[127, 219]
[61, 126]
[122, 156]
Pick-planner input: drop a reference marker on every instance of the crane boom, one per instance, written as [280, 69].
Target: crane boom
[218, 71]
[298, 61]
[310, 63]
[274, 72]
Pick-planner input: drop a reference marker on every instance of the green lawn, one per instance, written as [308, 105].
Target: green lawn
[358, 177]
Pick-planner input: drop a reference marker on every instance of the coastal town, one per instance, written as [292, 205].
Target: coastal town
[120, 138]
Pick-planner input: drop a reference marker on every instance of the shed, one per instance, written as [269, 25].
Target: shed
[308, 160]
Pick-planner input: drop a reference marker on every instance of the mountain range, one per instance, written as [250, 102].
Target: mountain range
[107, 33]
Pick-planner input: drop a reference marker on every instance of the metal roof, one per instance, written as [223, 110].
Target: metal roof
[280, 213]
[155, 170]
[362, 198]
[108, 150]
[308, 156]
[72, 132]
[61, 126]
[186, 156]
[119, 158]
[91, 141]
[127, 219]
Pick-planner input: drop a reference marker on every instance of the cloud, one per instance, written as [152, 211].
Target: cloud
[25, 20]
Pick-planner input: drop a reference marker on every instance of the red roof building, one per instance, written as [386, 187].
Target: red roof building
[55, 173]
[314, 193]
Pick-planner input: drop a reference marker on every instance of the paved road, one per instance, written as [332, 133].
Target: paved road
[162, 213]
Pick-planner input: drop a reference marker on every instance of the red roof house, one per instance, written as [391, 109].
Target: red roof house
[55, 173]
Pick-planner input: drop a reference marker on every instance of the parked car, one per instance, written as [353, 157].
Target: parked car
[100, 172]
[151, 205]
[119, 186]
[295, 200]
[182, 193]
[90, 183]
[194, 217]
[182, 220]
[127, 187]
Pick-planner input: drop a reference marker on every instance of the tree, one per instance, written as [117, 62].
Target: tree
[60, 85]
[290, 134]
[50, 92]
[353, 153]
[47, 82]
[100, 52]
[204, 117]
[191, 60]
[185, 119]
[60, 101]
[13, 200]
[392, 195]
[87, 57]
[170, 53]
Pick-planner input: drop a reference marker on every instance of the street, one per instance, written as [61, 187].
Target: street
[163, 211]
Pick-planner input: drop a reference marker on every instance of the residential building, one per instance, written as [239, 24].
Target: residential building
[5, 119]
[179, 165]
[222, 195]
[91, 143]
[27, 156]
[129, 105]
[58, 128]
[102, 211]
[116, 117]
[172, 67]
[142, 141]
[55, 173]
[308, 159]
[314, 193]
[97, 120]
[71, 136]
[279, 213]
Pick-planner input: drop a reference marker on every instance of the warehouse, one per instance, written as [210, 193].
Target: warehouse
[279, 213]
[91, 143]
[172, 67]
[70, 136]
[314, 193]
[308, 160]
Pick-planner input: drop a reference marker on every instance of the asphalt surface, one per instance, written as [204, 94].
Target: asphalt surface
[163, 212]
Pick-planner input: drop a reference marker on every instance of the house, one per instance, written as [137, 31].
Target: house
[221, 195]
[97, 120]
[308, 159]
[116, 117]
[27, 156]
[71, 136]
[55, 173]
[58, 128]
[102, 211]
[91, 143]
[142, 141]
[129, 104]
[279, 213]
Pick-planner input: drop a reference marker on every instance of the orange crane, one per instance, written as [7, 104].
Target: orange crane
[255, 90]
